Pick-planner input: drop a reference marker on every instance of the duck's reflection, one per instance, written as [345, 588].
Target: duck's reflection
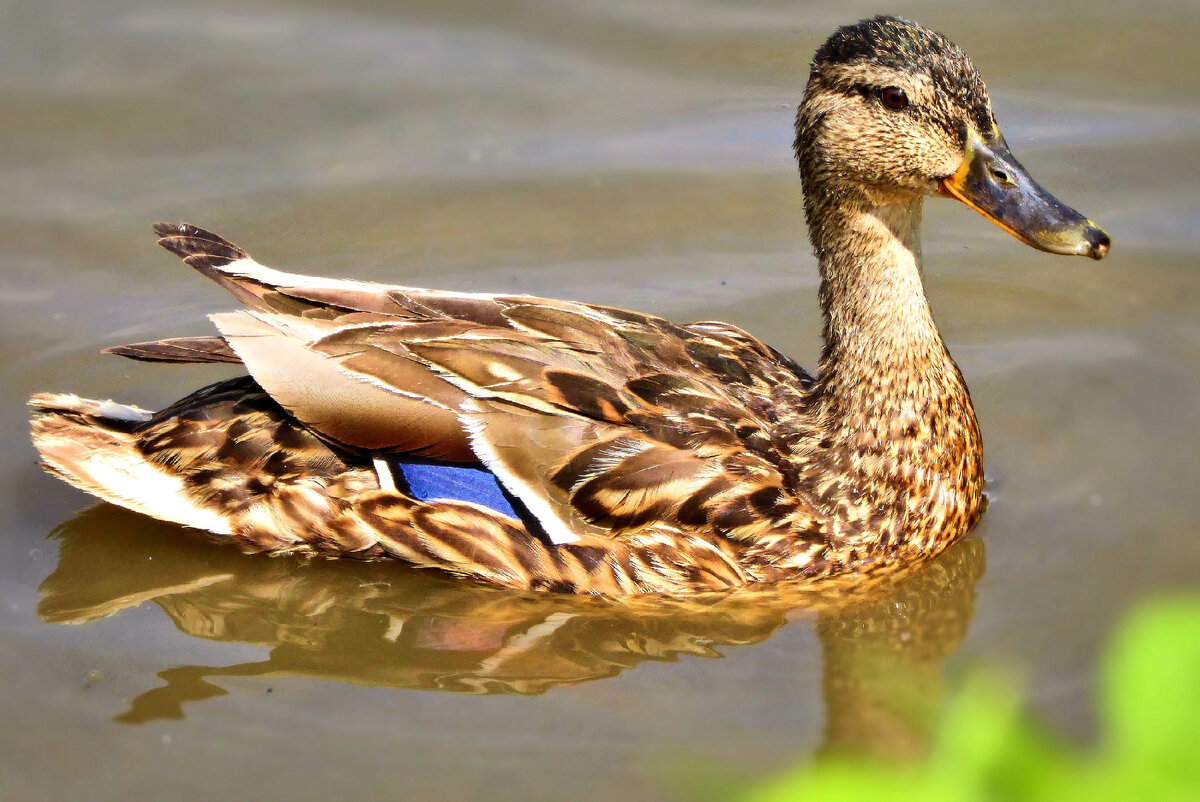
[382, 624]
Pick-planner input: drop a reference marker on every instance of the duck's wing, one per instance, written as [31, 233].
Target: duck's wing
[623, 433]
[600, 420]
[178, 349]
[266, 289]
[356, 396]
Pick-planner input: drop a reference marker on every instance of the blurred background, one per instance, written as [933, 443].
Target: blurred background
[630, 153]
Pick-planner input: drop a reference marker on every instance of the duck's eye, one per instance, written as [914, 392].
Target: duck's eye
[894, 98]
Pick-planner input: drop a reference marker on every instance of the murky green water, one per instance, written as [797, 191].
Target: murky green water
[627, 153]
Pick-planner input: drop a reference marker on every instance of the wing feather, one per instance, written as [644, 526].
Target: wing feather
[343, 405]
[600, 420]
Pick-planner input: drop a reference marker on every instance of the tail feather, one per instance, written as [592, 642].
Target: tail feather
[113, 413]
[92, 445]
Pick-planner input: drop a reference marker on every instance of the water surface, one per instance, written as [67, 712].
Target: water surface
[626, 153]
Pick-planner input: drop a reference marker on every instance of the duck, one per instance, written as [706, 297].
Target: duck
[559, 446]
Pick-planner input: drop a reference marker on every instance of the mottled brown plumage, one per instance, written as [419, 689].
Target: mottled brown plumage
[651, 457]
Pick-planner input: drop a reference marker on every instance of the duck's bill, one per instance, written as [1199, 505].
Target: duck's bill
[995, 184]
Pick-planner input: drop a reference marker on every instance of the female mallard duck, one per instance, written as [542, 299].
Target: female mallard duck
[563, 446]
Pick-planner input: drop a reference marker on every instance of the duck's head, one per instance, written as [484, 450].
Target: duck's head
[893, 111]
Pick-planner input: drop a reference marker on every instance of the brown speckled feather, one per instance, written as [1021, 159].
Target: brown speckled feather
[644, 456]
[661, 458]
[639, 420]
[278, 488]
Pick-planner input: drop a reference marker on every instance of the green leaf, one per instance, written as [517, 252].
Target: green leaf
[985, 748]
[1151, 691]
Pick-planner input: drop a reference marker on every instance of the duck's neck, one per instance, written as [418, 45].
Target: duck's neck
[877, 320]
[888, 390]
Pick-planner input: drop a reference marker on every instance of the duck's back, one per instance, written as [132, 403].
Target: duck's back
[606, 431]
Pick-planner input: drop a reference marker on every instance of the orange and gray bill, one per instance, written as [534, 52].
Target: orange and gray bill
[992, 182]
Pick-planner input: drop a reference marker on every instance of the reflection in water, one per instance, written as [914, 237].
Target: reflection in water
[388, 625]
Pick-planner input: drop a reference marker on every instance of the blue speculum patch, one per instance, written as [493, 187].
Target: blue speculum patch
[429, 481]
